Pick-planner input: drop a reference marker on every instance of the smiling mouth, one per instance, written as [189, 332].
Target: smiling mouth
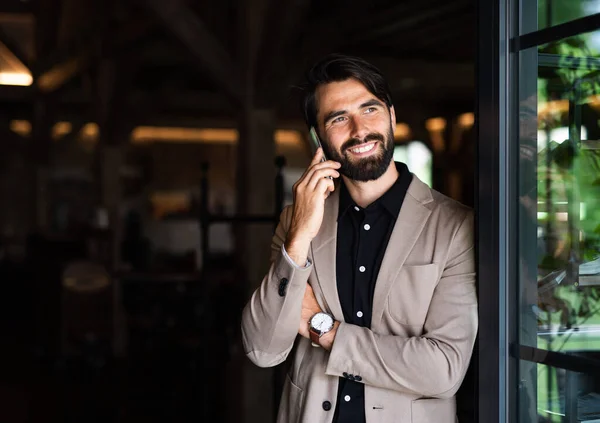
[363, 148]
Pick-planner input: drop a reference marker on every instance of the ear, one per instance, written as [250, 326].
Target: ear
[393, 117]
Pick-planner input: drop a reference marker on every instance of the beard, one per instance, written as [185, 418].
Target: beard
[368, 168]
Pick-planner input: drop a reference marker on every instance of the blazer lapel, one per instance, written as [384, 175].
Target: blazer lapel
[411, 220]
[323, 256]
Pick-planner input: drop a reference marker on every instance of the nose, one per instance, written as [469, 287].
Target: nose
[358, 129]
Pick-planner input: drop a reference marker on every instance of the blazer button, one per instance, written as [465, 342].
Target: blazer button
[326, 405]
[283, 283]
[357, 378]
[345, 375]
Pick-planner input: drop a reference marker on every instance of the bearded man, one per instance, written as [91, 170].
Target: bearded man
[371, 290]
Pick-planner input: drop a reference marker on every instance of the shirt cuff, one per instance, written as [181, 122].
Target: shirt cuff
[292, 262]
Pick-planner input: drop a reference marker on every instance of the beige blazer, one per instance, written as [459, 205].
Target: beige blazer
[414, 357]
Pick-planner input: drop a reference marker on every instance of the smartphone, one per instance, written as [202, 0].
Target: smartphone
[315, 142]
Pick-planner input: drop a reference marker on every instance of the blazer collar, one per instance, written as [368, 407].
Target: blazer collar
[413, 215]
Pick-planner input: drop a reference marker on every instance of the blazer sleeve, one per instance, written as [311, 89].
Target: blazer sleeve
[431, 365]
[271, 318]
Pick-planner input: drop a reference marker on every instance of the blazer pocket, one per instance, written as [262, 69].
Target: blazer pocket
[291, 404]
[428, 410]
[411, 293]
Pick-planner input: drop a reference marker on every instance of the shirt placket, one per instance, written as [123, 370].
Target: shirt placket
[362, 269]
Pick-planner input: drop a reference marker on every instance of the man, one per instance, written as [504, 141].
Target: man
[372, 282]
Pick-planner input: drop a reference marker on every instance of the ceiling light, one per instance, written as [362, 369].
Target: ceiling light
[402, 131]
[23, 79]
[435, 124]
[21, 127]
[466, 120]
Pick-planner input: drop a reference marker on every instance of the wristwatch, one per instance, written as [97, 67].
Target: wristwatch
[319, 325]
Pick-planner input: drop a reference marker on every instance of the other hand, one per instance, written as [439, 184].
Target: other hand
[310, 307]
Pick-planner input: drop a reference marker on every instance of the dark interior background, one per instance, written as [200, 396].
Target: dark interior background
[145, 154]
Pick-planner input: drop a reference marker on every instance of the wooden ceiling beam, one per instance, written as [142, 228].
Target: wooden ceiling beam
[459, 22]
[190, 30]
[437, 75]
[386, 16]
[16, 7]
[320, 36]
[14, 48]
[463, 25]
[420, 17]
[47, 13]
[55, 70]
[283, 25]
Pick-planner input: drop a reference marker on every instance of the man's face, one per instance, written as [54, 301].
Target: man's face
[356, 128]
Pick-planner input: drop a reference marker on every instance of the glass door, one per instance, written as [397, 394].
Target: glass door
[558, 229]
[539, 211]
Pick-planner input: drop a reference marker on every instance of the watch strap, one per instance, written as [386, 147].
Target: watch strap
[314, 337]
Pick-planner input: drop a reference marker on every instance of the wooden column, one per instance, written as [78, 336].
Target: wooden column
[256, 180]
[41, 145]
[110, 150]
[255, 195]
[17, 186]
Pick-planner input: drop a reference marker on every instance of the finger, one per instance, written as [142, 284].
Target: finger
[325, 186]
[313, 168]
[316, 164]
[326, 164]
[320, 174]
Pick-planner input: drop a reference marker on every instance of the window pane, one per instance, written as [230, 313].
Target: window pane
[417, 157]
[559, 225]
[566, 396]
[555, 12]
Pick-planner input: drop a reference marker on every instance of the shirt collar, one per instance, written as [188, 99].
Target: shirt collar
[391, 200]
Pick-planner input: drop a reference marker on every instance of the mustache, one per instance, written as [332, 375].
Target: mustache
[353, 142]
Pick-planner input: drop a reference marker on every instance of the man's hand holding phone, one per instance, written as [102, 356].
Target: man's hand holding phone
[310, 192]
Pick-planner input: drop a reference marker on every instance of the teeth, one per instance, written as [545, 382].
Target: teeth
[359, 150]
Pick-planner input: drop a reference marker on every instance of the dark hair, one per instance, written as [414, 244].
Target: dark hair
[339, 67]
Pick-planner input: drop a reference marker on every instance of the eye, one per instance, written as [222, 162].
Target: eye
[338, 119]
[370, 110]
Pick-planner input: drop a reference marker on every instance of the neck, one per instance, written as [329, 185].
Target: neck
[365, 193]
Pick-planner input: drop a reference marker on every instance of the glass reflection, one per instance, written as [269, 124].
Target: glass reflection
[556, 12]
[559, 226]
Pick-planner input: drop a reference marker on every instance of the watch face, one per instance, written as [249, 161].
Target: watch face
[321, 322]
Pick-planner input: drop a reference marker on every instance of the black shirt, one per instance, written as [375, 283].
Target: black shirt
[362, 238]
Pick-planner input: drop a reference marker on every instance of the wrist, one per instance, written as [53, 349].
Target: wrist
[297, 247]
[326, 341]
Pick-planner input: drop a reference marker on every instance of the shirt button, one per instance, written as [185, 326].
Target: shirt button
[356, 208]
[359, 314]
[347, 398]
[367, 227]
[326, 405]
[362, 269]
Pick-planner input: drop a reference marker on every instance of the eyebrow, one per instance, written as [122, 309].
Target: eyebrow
[371, 102]
[332, 115]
